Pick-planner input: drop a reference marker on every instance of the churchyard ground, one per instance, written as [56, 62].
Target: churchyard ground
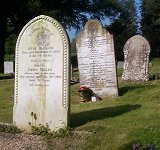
[112, 124]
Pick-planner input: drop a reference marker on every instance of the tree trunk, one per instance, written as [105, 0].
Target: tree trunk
[2, 41]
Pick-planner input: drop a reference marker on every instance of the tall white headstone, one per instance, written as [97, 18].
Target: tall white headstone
[96, 60]
[42, 75]
[136, 59]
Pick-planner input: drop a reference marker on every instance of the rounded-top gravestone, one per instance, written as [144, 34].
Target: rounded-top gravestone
[136, 59]
[96, 60]
[42, 75]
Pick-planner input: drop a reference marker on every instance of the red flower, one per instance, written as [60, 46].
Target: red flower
[83, 88]
[85, 92]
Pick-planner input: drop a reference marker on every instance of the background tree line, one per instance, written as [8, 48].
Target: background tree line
[74, 13]
[150, 24]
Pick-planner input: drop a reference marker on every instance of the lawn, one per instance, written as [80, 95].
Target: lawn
[133, 117]
[112, 124]
[6, 100]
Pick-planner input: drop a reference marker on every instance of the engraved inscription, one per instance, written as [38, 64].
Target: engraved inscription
[96, 60]
[39, 72]
[40, 55]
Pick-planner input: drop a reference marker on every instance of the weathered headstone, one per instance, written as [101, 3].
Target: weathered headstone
[8, 67]
[96, 60]
[42, 75]
[120, 64]
[136, 58]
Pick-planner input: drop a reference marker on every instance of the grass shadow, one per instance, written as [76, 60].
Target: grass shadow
[82, 118]
[8, 76]
[123, 90]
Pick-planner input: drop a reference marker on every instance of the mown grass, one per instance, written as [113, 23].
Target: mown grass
[133, 117]
[2, 75]
[6, 100]
[155, 66]
[114, 124]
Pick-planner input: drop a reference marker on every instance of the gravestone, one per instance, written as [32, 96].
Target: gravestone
[8, 67]
[136, 58]
[71, 73]
[120, 64]
[42, 75]
[96, 60]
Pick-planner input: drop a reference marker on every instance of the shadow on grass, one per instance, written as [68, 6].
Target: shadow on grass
[8, 76]
[124, 90]
[82, 118]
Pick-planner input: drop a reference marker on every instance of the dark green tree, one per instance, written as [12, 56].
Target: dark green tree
[6, 10]
[71, 13]
[124, 26]
[150, 24]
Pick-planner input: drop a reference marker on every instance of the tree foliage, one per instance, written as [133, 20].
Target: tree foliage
[70, 13]
[151, 24]
[124, 26]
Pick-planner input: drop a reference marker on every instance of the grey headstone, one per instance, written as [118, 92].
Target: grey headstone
[120, 64]
[96, 59]
[42, 75]
[136, 59]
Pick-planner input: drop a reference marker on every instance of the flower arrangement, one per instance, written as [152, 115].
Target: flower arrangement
[86, 93]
